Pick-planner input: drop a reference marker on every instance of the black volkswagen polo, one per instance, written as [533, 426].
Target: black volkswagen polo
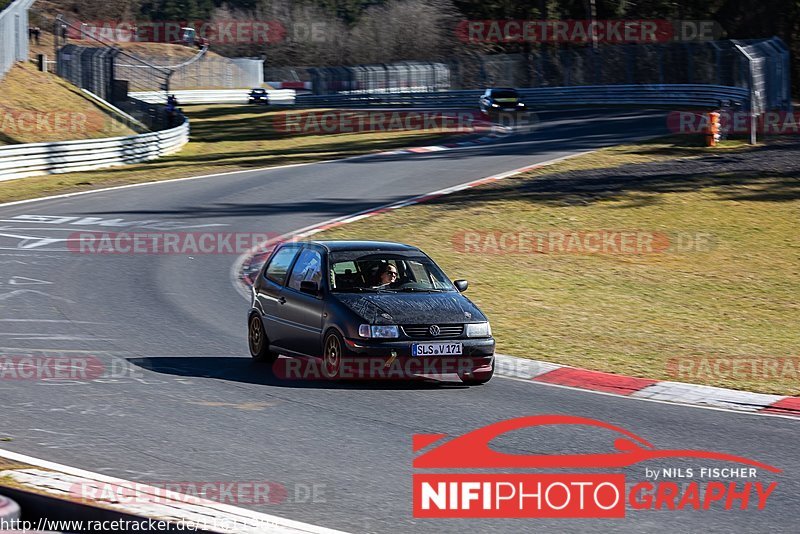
[384, 303]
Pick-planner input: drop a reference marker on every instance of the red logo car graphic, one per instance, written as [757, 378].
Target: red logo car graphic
[471, 450]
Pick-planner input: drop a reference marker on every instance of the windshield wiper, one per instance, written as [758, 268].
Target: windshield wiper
[356, 290]
[367, 289]
[426, 290]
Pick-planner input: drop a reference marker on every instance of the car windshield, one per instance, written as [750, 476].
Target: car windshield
[371, 272]
[505, 93]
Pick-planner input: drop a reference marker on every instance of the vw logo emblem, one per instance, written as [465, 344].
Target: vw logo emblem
[434, 330]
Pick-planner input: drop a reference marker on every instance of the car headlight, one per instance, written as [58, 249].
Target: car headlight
[520, 104]
[495, 105]
[378, 331]
[479, 330]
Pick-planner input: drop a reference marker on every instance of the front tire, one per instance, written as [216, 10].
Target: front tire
[258, 341]
[332, 354]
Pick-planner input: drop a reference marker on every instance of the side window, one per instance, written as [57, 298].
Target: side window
[307, 268]
[342, 267]
[277, 269]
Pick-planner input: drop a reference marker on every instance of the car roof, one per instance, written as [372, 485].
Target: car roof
[503, 89]
[337, 245]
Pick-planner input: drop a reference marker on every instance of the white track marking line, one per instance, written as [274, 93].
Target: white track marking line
[669, 403]
[225, 510]
[229, 173]
[313, 228]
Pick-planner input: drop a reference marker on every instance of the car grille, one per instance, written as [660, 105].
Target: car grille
[422, 331]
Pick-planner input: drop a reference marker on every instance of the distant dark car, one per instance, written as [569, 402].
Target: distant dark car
[259, 96]
[382, 301]
[496, 100]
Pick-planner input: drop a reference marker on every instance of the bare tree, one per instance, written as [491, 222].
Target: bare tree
[404, 30]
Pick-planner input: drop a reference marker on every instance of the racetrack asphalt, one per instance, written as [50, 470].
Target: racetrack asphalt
[191, 406]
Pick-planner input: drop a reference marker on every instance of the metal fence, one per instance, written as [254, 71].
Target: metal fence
[768, 73]
[211, 72]
[100, 66]
[13, 34]
[386, 77]
[287, 74]
[759, 65]
[87, 67]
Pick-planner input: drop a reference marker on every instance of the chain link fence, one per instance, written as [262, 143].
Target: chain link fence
[759, 65]
[218, 73]
[387, 77]
[762, 65]
[287, 74]
[768, 73]
[154, 72]
[88, 68]
[100, 66]
[13, 34]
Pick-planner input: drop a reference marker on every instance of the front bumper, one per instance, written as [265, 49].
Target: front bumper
[472, 347]
[389, 357]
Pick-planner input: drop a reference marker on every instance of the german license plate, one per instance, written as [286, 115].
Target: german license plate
[436, 349]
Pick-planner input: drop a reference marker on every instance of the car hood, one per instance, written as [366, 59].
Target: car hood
[412, 308]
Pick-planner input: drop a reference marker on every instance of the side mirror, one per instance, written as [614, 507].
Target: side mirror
[461, 285]
[307, 286]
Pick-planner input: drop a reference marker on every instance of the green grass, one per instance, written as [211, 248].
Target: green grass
[40, 107]
[223, 138]
[626, 313]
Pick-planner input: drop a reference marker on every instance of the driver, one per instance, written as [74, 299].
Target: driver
[387, 274]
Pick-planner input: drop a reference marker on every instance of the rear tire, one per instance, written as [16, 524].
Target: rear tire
[258, 341]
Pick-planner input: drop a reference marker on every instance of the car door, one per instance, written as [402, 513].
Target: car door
[269, 289]
[303, 311]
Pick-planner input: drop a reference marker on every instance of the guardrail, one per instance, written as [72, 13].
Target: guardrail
[20, 161]
[666, 95]
[284, 97]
